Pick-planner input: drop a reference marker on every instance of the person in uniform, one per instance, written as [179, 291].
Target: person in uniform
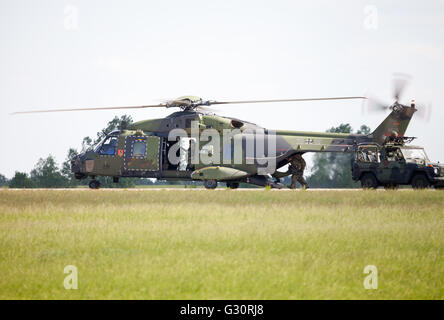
[296, 168]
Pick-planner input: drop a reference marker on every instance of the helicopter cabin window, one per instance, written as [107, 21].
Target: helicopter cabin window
[108, 147]
[139, 148]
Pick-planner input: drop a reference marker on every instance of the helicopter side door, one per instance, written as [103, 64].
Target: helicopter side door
[141, 153]
[107, 161]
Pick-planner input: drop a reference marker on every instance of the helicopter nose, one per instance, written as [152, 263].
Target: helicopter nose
[77, 164]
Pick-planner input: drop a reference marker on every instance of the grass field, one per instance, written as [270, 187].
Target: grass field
[224, 244]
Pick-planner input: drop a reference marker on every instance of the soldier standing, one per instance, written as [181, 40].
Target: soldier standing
[296, 168]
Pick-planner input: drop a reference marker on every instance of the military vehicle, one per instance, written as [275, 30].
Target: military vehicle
[180, 146]
[395, 163]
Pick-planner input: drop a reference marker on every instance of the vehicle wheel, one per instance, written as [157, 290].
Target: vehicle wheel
[391, 186]
[368, 181]
[233, 185]
[210, 184]
[439, 187]
[420, 181]
[94, 184]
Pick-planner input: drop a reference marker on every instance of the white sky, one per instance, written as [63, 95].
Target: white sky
[142, 52]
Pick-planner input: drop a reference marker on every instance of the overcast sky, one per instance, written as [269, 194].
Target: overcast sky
[57, 54]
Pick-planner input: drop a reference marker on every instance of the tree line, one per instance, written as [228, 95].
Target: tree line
[329, 170]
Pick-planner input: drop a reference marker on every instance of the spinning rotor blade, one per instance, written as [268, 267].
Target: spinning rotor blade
[375, 105]
[89, 109]
[424, 111]
[185, 103]
[282, 100]
[400, 81]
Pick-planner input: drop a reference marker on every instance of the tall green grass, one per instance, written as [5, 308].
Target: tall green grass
[223, 244]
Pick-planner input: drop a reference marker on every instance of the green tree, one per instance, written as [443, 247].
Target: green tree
[3, 180]
[332, 170]
[66, 169]
[66, 166]
[112, 125]
[46, 174]
[86, 143]
[21, 180]
[364, 130]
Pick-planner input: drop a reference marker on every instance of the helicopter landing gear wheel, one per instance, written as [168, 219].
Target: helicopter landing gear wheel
[94, 184]
[232, 185]
[210, 184]
[368, 181]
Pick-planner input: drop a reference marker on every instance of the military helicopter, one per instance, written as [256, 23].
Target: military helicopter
[149, 149]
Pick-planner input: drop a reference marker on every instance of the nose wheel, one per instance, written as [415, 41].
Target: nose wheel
[94, 184]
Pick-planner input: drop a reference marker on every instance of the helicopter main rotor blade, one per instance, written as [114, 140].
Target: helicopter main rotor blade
[400, 82]
[284, 100]
[89, 109]
[184, 104]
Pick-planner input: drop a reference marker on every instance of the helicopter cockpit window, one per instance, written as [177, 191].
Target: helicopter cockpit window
[139, 148]
[108, 147]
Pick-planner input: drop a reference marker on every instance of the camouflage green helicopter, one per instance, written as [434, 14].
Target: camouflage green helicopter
[185, 145]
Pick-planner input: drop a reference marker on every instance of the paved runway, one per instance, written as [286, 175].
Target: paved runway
[190, 189]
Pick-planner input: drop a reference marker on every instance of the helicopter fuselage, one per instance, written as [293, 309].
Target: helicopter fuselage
[192, 145]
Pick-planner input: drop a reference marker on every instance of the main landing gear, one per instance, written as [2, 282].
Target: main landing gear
[94, 184]
[232, 185]
[210, 184]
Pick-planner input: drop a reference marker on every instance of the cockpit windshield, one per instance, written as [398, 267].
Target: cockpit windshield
[98, 145]
[107, 146]
[414, 154]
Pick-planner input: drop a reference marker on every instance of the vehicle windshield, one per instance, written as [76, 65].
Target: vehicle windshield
[414, 154]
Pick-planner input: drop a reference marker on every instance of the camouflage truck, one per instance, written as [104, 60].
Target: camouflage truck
[394, 164]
